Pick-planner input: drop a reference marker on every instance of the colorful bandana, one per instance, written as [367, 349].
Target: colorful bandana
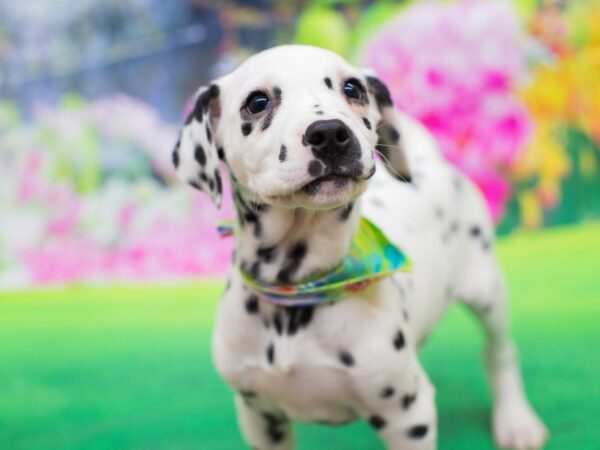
[371, 257]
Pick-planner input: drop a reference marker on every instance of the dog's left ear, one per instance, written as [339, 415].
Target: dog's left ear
[389, 142]
[196, 154]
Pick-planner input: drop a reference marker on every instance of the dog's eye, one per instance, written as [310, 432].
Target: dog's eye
[257, 102]
[353, 89]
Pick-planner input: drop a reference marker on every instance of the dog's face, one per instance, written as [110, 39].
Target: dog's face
[296, 126]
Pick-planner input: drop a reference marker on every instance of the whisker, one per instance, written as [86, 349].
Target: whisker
[390, 168]
[387, 163]
[390, 145]
[381, 124]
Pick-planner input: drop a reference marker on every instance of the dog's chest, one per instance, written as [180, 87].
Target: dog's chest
[304, 365]
[302, 379]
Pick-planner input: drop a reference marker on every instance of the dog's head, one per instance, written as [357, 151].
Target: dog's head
[297, 126]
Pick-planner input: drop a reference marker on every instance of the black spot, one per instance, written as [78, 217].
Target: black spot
[274, 427]
[267, 122]
[203, 102]
[208, 134]
[175, 156]
[248, 394]
[399, 340]
[203, 177]
[294, 258]
[246, 128]
[211, 184]
[298, 318]
[199, 155]
[379, 91]
[282, 153]
[319, 113]
[315, 168]
[195, 185]
[278, 322]
[367, 123]
[252, 304]
[486, 245]
[257, 206]
[387, 392]
[417, 431]
[270, 353]
[377, 422]
[408, 400]
[271, 112]
[328, 82]
[266, 254]
[346, 211]
[251, 217]
[255, 270]
[219, 181]
[405, 314]
[394, 135]
[346, 358]
[475, 231]
[276, 96]
[221, 153]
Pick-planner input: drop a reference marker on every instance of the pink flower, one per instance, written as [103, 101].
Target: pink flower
[453, 66]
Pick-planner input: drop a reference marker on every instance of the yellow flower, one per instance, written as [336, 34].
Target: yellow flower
[531, 211]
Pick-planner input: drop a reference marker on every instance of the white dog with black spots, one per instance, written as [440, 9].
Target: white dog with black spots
[298, 129]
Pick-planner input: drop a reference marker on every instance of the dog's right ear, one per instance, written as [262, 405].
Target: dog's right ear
[389, 142]
[196, 154]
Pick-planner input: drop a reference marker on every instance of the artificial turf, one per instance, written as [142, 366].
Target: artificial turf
[128, 367]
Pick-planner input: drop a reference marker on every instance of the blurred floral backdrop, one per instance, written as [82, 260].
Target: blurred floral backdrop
[91, 94]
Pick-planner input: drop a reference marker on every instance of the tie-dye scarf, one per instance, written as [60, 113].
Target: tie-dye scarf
[371, 257]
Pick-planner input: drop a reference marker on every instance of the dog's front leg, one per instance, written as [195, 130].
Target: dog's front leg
[404, 415]
[263, 429]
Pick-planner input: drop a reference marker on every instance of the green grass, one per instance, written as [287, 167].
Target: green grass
[129, 367]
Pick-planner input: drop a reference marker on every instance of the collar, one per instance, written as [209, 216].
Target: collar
[371, 257]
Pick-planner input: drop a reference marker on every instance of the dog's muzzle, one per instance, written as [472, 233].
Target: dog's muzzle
[330, 141]
[337, 154]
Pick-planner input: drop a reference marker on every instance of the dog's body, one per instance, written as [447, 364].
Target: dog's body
[356, 358]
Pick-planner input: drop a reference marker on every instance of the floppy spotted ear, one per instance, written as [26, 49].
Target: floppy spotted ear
[389, 142]
[196, 154]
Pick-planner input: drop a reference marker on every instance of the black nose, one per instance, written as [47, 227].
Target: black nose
[328, 138]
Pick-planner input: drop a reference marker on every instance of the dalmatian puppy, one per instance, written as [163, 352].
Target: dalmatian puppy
[298, 128]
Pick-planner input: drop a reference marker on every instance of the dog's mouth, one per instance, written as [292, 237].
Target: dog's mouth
[331, 188]
[337, 181]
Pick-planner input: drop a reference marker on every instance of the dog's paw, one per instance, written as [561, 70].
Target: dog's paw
[517, 426]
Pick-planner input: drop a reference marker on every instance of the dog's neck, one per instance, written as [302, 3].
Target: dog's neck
[284, 245]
